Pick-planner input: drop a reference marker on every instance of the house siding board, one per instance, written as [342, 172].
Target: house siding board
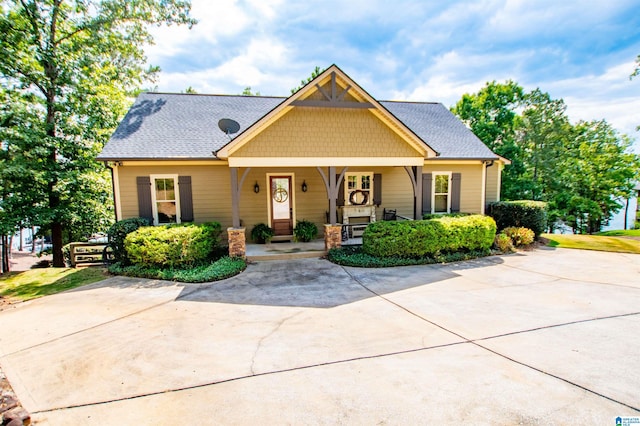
[211, 190]
[492, 182]
[327, 132]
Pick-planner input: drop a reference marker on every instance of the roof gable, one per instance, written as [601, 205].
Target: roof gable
[331, 89]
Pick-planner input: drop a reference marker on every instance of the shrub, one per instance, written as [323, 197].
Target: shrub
[222, 268]
[429, 216]
[119, 231]
[354, 256]
[520, 236]
[262, 233]
[503, 243]
[528, 214]
[173, 245]
[428, 237]
[305, 231]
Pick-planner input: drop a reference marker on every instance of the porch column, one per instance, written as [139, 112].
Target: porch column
[418, 193]
[235, 198]
[235, 194]
[333, 194]
[415, 174]
[331, 184]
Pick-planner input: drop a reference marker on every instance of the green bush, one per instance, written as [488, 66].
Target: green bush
[354, 256]
[520, 236]
[119, 231]
[528, 214]
[262, 233]
[503, 243]
[429, 216]
[412, 239]
[222, 268]
[173, 245]
[305, 231]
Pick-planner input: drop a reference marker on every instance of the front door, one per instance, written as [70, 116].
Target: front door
[281, 205]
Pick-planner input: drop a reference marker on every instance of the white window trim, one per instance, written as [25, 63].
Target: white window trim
[433, 192]
[154, 204]
[359, 175]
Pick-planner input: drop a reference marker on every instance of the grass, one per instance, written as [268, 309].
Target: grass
[594, 242]
[621, 233]
[34, 283]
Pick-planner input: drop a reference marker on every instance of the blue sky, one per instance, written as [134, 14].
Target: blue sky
[581, 51]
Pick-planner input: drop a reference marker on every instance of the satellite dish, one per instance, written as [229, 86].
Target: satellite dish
[228, 126]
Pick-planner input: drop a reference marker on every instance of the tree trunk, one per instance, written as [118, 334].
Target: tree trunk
[626, 214]
[20, 245]
[33, 240]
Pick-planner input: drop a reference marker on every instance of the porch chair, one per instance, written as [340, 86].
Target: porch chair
[389, 214]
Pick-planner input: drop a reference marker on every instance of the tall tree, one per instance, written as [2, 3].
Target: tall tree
[581, 171]
[491, 115]
[599, 169]
[316, 72]
[72, 62]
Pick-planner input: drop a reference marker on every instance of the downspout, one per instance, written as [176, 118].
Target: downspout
[113, 191]
[487, 164]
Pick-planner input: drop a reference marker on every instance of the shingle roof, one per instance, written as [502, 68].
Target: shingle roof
[185, 126]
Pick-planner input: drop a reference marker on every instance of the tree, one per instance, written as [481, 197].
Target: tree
[491, 115]
[599, 169]
[316, 72]
[247, 92]
[580, 170]
[190, 90]
[71, 63]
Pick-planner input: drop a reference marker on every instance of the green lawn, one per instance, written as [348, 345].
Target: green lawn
[44, 281]
[621, 233]
[594, 242]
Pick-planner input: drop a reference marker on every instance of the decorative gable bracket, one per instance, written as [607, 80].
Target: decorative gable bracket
[334, 99]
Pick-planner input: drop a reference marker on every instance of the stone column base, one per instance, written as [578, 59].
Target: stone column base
[332, 236]
[237, 242]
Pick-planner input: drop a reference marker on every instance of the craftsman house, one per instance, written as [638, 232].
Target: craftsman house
[330, 154]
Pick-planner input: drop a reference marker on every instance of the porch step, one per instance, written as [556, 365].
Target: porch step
[285, 256]
[282, 238]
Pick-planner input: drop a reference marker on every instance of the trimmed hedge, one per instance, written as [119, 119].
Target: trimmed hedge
[353, 256]
[173, 246]
[420, 238]
[119, 231]
[523, 213]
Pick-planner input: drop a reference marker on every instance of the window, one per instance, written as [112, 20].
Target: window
[359, 189]
[165, 198]
[441, 198]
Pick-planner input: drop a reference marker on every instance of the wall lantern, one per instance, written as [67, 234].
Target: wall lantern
[256, 187]
[304, 186]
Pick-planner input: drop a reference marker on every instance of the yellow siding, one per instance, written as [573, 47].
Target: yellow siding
[212, 191]
[210, 186]
[327, 132]
[493, 182]
[470, 184]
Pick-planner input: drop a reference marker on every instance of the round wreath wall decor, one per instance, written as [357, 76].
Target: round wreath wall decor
[359, 197]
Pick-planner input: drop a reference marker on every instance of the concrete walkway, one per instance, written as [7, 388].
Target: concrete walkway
[543, 337]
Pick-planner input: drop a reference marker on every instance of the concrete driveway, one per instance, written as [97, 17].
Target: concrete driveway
[544, 337]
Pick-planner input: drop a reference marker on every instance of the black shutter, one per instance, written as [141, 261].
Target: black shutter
[427, 179]
[377, 189]
[340, 199]
[455, 192]
[186, 199]
[144, 197]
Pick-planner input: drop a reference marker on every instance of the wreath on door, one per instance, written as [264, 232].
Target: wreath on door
[359, 197]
